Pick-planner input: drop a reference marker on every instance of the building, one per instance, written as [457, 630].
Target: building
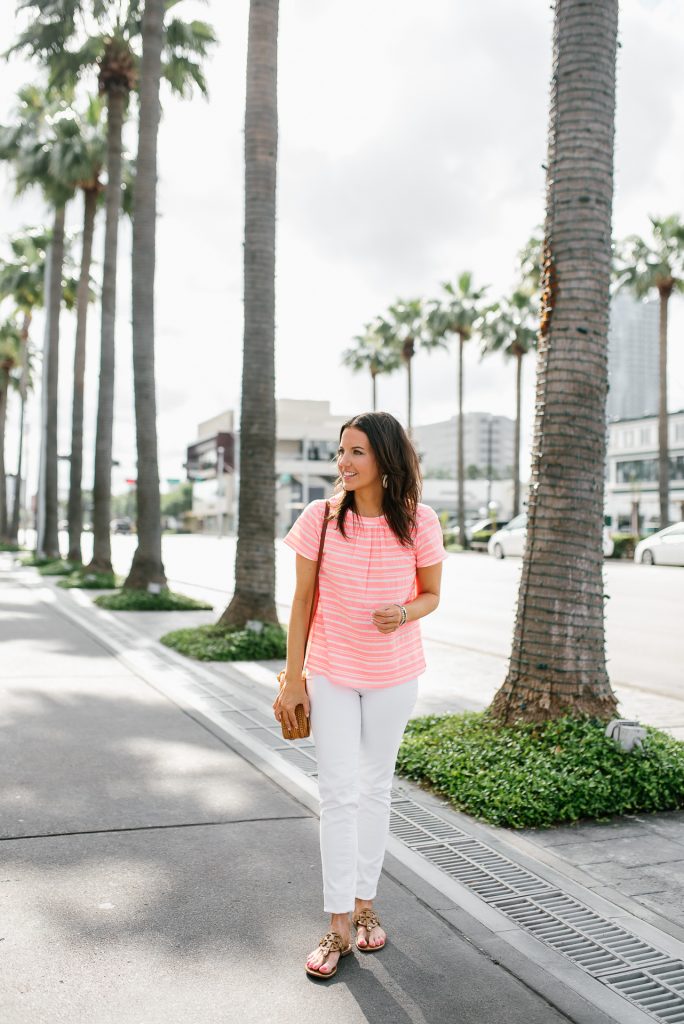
[488, 441]
[306, 446]
[632, 470]
[211, 465]
[306, 449]
[632, 358]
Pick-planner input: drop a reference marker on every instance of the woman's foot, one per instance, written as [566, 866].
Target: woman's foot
[369, 936]
[323, 960]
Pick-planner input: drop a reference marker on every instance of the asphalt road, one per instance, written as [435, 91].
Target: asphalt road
[468, 637]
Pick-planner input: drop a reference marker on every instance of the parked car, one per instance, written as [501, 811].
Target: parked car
[666, 547]
[511, 539]
[123, 525]
[484, 526]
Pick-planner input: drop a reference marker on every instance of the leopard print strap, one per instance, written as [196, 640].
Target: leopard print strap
[332, 941]
[366, 918]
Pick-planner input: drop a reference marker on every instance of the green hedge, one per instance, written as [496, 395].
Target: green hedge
[131, 600]
[217, 643]
[624, 544]
[59, 567]
[91, 581]
[523, 776]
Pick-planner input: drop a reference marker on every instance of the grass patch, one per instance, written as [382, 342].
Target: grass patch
[524, 776]
[132, 600]
[37, 560]
[218, 643]
[59, 567]
[91, 580]
[6, 546]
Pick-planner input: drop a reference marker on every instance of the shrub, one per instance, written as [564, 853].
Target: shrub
[8, 546]
[130, 600]
[219, 643]
[91, 580]
[37, 560]
[624, 544]
[523, 776]
[58, 568]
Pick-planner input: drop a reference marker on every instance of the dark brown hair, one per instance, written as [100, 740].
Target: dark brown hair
[397, 458]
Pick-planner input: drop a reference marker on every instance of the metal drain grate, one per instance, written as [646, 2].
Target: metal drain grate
[585, 937]
[494, 878]
[658, 990]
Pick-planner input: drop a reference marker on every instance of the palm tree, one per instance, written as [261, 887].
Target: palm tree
[91, 157]
[38, 144]
[254, 596]
[404, 329]
[643, 267]
[371, 353]
[456, 315]
[147, 567]
[510, 326]
[73, 37]
[22, 280]
[558, 663]
[10, 354]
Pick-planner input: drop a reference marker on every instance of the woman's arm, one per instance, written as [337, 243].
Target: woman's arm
[429, 579]
[294, 691]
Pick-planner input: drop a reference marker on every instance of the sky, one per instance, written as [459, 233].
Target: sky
[412, 139]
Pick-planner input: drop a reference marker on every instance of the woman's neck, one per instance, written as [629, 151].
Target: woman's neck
[368, 502]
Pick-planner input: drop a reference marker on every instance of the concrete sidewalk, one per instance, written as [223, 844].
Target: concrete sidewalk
[151, 872]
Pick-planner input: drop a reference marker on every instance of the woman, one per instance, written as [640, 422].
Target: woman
[380, 572]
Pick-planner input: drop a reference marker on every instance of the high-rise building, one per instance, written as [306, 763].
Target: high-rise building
[488, 440]
[632, 358]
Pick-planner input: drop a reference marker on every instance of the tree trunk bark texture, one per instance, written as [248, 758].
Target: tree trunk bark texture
[516, 453]
[4, 387]
[51, 383]
[254, 596]
[558, 663]
[102, 478]
[663, 446]
[75, 505]
[460, 461]
[13, 532]
[147, 566]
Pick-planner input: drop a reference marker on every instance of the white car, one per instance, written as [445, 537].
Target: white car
[663, 548]
[510, 540]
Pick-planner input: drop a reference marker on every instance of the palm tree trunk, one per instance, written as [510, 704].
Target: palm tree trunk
[516, 453]
[51, 383]
[102, 478]
[4, 384]
[75, 506]
[460, 467]
[147, 564]
[409, 395]
[663, 446]
[558, 663]
[23, 386]
[374, 377]
[254, 596]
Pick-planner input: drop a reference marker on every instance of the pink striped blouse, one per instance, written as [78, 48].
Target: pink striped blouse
[358, 575]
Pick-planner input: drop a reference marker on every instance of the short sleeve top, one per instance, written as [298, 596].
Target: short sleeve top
[368, 569]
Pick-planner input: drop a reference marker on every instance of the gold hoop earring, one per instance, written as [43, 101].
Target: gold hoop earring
[384, 480]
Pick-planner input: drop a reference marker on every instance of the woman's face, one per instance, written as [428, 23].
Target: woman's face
[356, 460]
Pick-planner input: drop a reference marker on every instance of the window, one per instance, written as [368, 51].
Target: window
[679, 431]
[645, 435]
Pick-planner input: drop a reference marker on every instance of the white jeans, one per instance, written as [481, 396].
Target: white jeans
[357, 731]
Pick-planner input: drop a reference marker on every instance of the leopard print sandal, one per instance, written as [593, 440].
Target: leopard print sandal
[330, 942]
[367, 918]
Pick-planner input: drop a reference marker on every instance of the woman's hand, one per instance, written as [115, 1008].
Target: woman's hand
[387, 619]
[290, 695]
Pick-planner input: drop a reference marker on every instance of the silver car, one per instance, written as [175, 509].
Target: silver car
[663, 548]
[511, 539]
